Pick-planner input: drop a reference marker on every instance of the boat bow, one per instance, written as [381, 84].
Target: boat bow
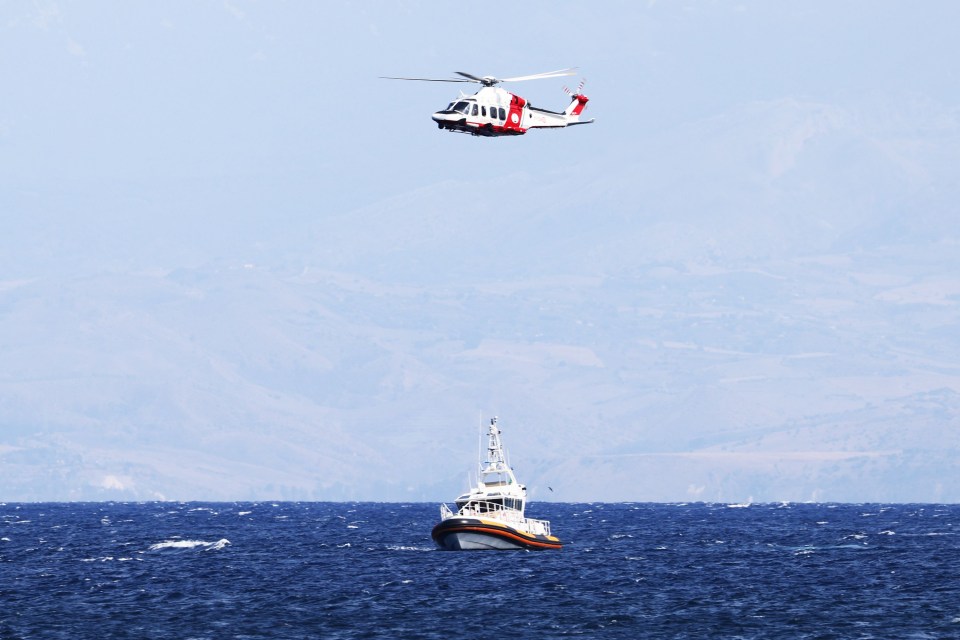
[491, 514]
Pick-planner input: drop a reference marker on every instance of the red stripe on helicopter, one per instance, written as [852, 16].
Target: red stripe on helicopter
[515, 114]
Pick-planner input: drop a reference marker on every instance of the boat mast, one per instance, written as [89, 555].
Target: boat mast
[496, 463]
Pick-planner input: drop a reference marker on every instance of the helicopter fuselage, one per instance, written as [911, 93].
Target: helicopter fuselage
[492, 111]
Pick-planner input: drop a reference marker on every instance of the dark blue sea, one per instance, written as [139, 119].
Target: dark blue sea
[368, 570]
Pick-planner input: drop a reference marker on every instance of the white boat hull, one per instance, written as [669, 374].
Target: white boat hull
[469, 534]
[469, 541]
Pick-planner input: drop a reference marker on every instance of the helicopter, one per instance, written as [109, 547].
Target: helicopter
[494, 112]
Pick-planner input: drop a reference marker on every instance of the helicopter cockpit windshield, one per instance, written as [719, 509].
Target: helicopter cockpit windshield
[461, 107]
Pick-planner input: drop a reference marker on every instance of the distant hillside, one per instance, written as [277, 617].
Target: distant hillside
[758, 306]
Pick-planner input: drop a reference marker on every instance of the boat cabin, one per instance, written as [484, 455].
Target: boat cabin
[490, 505]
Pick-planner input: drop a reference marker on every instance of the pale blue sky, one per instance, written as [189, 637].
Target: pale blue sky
[253, 105]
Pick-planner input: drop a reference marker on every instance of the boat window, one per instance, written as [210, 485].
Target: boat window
[515, 504]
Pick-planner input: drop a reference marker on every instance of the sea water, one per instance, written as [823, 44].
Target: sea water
[367, 570]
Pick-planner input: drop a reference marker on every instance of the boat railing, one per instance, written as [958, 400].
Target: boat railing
[484, 509]
[478, 508]
[543, 525]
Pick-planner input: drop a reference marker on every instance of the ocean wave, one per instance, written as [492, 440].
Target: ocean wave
[400, 547]
[189, 544]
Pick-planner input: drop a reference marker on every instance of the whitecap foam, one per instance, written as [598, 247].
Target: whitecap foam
[111, 559]
[398, 547]
[190, 544]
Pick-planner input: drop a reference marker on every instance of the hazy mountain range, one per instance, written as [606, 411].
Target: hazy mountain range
[762, 305]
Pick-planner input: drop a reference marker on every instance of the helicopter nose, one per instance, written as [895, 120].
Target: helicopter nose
[444, 118]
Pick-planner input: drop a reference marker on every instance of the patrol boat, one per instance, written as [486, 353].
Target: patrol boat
[490, 515]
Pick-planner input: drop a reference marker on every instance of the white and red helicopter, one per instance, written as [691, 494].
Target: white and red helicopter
[492, 111]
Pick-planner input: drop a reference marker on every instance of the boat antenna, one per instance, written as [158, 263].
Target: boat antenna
[480, 445]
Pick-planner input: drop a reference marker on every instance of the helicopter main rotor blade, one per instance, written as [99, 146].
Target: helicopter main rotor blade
[547, 74]
[426, 79]
[472, 77]
[489, 81]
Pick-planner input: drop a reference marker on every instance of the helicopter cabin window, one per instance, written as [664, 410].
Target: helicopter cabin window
[462, 107]
[475, 110]
[483, 111]
[503, 114]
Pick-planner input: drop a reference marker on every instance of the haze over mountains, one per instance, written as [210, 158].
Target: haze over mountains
[757, 304]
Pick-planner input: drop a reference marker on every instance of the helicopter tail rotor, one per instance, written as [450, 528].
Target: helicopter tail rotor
[577, 103]
[576, 93]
